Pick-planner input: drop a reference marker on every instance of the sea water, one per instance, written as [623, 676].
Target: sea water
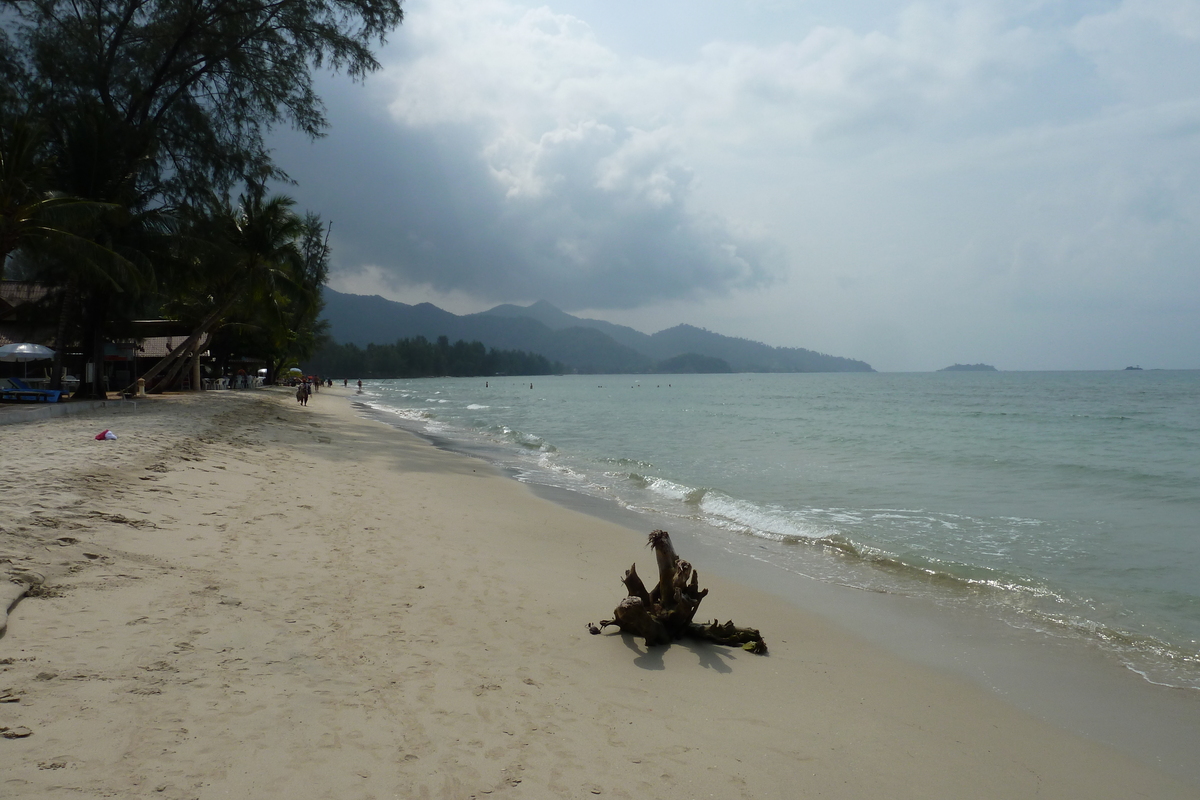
[1066, 504]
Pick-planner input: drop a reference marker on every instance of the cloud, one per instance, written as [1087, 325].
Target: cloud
[587, 215]
[530, 160]
[498, 170]
[835, 83]
[1145, 49]
[519, 72]
[931, 164]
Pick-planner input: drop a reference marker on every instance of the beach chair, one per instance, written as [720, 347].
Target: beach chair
[18, 391]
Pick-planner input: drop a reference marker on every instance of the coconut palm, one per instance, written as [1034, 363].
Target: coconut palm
[34, 217]
[248, 259]
[72, 244]
[286, 329]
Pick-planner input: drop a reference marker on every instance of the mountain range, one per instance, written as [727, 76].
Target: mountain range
[582, 345]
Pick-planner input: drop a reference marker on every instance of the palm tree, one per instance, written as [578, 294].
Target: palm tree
[59, 235]
[248, 257]
[301, 332]
[33, 216]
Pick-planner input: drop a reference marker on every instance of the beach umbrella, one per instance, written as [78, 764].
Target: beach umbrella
[26, 352]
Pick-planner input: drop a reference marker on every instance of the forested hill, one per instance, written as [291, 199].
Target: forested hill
[421, 358]
[581, 345]
[744, 355]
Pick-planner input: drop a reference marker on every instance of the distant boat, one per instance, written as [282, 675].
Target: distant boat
[1139, 369]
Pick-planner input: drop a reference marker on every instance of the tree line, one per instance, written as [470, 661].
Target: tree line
[420, 358]
[134, 175]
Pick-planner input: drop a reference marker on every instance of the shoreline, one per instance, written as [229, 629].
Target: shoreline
[1060, 680]
[303, 602]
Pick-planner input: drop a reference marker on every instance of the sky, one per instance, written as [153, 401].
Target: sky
[913, 184]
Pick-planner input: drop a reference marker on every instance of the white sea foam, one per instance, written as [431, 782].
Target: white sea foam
[530, 440]
[548, 462]
[414, 414]
[670, 489]
[768, 523]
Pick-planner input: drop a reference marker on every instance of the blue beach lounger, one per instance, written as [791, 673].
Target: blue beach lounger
[21, 392]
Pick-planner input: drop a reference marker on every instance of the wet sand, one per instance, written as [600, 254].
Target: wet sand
[242, 597]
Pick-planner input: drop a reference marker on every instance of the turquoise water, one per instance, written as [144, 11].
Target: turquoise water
[1065, 503]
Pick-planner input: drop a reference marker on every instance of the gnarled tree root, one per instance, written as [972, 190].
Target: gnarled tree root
[665, 613]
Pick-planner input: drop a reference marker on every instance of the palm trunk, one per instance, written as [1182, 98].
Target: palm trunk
[93, 345]
[60, 333]
[191, 342]
[173, 373]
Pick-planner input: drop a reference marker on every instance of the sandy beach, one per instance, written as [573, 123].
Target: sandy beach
[240, 597]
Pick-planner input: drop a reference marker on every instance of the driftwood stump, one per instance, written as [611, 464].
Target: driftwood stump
[665, 613]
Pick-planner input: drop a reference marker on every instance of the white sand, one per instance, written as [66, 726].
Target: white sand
[256, 600]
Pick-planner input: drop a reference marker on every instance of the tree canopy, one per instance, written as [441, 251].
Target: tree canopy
[420, 358]
[151, 113]
[167, 100]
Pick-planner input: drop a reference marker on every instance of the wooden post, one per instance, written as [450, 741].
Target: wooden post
[196, 367]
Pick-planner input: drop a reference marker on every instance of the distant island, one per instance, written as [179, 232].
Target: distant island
[969, 368]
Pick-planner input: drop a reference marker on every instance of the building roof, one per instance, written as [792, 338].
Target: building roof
[160, 346]
[14, 294]
[157, 337]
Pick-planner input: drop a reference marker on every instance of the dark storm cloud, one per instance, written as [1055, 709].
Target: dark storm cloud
[589, 216]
